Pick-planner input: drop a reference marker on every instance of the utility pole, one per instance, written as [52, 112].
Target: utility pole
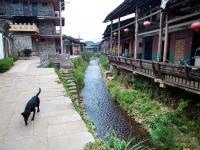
[61, 38]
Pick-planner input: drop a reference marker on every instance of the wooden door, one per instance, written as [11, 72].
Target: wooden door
[148, 48]
[179, 50]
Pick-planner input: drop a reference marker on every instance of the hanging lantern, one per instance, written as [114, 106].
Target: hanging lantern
[115, 33]
[126, 29]
[147, 23]
[36, 39]
[195, 25]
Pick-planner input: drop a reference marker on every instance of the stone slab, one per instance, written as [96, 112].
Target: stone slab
[56, 127]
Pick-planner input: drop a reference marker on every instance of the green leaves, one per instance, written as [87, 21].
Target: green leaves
[104, 62]
[6, 64]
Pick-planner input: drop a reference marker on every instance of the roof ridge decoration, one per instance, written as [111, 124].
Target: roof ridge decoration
[164, 4]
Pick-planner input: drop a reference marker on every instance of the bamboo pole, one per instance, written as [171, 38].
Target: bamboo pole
[118, 49]
[166, 39]
[136, 33]
[111, 28]
[160, 37]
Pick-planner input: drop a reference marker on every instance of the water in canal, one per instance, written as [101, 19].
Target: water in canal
[102, 110]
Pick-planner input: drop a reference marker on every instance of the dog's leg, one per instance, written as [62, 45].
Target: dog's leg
[33, 114]
[38, 107]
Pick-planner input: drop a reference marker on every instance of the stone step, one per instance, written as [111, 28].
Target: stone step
[71, 85]
[75, 96]
[70, 78]
[73, 88]
[70, 81]
[73, 91]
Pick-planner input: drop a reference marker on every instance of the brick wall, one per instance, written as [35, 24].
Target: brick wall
[46, 27]
[22, 41]
[17, 8]
[47, 46]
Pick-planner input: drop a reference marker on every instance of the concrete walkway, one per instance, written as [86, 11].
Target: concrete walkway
[56, 127]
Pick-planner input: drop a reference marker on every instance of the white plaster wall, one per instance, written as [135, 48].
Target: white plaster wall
[1, 47]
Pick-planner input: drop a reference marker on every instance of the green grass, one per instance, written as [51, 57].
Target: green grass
[168, 127]
[104, 62]
[114, 143]
[80, 65]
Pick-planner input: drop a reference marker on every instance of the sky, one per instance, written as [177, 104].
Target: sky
[85, 18]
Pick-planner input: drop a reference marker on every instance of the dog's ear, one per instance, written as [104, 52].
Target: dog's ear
[22, 113]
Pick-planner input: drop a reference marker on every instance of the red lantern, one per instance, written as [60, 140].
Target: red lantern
[115, 33]
[37, 39]
[147, 23]
[195, 26]
[126, 29]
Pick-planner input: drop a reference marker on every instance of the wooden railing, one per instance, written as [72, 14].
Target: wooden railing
[181, 76]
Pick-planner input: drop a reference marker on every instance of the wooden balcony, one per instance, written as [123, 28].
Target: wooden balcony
[24, 28]
[180, 76]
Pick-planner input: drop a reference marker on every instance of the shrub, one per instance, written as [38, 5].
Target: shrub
[104, 62]
[86, 56]
[6, 64]
[144, 108]
[78, 71]
[27, 52]
[51, 64]
[163, 134]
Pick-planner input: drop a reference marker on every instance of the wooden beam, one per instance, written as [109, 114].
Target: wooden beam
[154, 13]
[160, 37]
[184, 17]
[111, 37]
[136, 33]
[118, 49]
[138, 20]
[124, 26]
[166, 39]
[170, 28]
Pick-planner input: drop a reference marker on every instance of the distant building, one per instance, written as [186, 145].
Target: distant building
[93, 47]
[33, 24]
[74, 46]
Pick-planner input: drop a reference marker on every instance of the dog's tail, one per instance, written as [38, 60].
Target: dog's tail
[38, 92]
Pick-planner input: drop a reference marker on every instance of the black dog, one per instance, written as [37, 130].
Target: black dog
[30, 107]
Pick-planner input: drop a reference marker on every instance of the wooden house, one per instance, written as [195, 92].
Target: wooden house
[163, 42]
[33, 23]
[74, 46]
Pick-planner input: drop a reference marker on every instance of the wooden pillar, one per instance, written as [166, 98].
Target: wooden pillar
[111, 37]
[166, 39]
[136, 33]
[160, 37]
[118, 49]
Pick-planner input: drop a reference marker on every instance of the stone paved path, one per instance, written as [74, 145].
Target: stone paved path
[56, 127]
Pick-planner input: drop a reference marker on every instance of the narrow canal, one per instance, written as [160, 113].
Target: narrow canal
[103, 111]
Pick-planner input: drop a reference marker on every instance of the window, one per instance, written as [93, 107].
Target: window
[140, 44]
[44, 4]
[15, 2]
